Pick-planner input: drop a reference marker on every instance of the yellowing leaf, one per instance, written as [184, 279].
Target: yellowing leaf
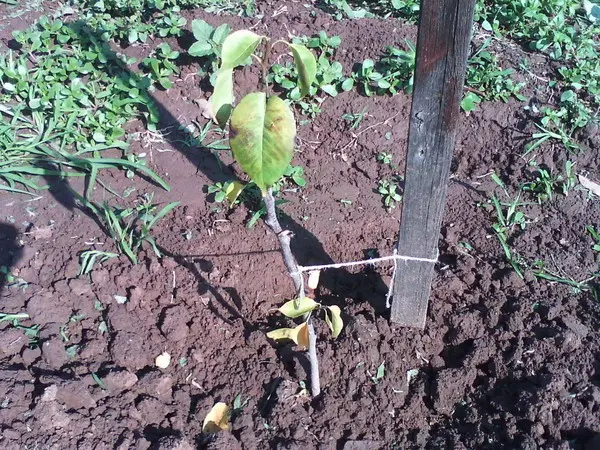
[307, 67]
[262, 133]
[298, 307]
[299, 334]
[313, 278]
[217, 418]
[222, 98]
[233, 191]
[237, 47]
[335, 323]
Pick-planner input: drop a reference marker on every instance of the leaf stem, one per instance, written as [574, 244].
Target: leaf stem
[285, 238]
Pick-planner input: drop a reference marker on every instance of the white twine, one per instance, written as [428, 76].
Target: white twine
[395, 257]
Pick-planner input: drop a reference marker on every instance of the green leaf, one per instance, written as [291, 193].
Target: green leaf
[298, 307]
[348, 84]
[222, 99]
[237, 47]
[200, 48]
[470, 102]
[201, 30]
[335, 323]
[262, 137]
[221, 33]
[307, 66]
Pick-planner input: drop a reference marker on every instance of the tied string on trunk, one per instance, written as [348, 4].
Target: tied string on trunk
[395, 258]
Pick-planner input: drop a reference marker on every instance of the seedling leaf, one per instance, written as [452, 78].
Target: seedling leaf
[238, 46]
[298, 307]
[262, 137]
[299, 334]
[222, 98]
[216, 419]
[334, 322]
[307, 67]
[233, 191]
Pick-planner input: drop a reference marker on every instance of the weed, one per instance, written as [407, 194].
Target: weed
[504, 226]
[130, 227]
[88, 259]
[161, 65]
[385, 158]
[379, 374]
[329, 78]
[354, 119]
[595, 234]
[209, 41]
[392, 74]
[388, 190]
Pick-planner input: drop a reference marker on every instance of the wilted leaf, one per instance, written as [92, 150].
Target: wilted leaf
[222, 98]
[334, 322]
[298, 307]
[262, 133]
[217, 418]
[233, 191]
[163, 360]
[237, 47]
[299, 334]
[593, 187]
[313, 278]
[307, 66]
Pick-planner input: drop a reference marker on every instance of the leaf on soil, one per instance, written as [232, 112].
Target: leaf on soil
[593, 187]
[163, 360]
[206, 108]
[313, 278]
[334, 322]
[217, 418]
[299, 334]
[298, 307]
[120, 299]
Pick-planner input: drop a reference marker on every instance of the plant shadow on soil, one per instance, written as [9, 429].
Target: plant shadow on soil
[10, 251]
[339, 284]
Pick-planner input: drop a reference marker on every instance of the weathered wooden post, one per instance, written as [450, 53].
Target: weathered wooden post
[442, 51]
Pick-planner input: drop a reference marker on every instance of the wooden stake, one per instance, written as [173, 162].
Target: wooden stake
[442, 50]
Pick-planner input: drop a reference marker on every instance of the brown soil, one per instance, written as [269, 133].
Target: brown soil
[502, 363]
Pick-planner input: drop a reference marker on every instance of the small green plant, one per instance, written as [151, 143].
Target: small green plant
[354, 119]
[543, 185]
[379, 374]
[595, 234]
[160, 65]
[130, 227]
[385, 158]
[507, 221]
[329, 78]
[209, 41]
[392, 74]
[262, 130]
[388, 190]
[89, 258]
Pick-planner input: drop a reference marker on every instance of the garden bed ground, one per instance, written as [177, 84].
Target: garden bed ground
[503, 362]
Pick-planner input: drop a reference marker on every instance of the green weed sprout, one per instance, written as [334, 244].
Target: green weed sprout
[262, 130]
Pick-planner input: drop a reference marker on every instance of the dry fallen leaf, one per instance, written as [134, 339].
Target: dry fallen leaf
[593, 187]
[299, 334]
[217, 418]
[205, 108]
[41, 232]
[163, 360]
[313, 278]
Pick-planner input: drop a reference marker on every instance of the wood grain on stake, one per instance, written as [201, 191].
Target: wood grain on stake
[442, 49]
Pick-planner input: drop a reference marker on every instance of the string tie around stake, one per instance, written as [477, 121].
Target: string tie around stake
[395, 257]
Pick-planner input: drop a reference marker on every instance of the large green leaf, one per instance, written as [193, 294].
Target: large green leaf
[222, 99]
[237, 47]
[307, 66]
[262, 136]
[298, 307]
[202, 30]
